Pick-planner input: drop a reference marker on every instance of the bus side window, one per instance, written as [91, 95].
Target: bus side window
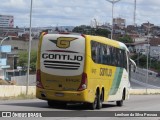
[99, 52]
[125, 60]
[114, 56]
[108, 55]
[120, 62]
[121, 58]
[111, 56]
[93, 51]
[94, 55]
[104, 54]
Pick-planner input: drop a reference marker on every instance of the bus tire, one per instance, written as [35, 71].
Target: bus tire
[100, 101]
[120, 103]
[51, 103]
[93, 105]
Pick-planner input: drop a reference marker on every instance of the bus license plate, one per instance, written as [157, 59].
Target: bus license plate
[59, 94]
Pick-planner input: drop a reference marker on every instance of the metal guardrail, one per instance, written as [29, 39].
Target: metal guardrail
[141, 78]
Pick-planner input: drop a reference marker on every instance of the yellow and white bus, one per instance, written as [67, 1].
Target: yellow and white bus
[82, 68]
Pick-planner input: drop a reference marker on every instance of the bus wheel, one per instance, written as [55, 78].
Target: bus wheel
[51, 103]
[94, 104]
[120, 103]
[100, 101]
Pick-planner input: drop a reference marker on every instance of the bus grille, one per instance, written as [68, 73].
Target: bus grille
[61, 65]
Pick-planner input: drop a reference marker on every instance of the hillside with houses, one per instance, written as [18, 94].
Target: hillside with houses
[142, 40]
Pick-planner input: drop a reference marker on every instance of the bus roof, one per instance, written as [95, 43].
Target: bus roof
[101, 39]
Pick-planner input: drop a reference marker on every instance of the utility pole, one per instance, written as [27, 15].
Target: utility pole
[134, 16]
[148, 50]
[29, 49]
[113, 2]
[95, 23]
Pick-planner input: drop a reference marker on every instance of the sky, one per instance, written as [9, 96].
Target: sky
[47, 13]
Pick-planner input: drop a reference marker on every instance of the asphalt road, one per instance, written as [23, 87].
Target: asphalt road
[135, 103]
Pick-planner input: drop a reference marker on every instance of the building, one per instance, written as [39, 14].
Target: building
[8, 31]
[141, 47]
[6, 21]
[7, 26]
[131, 29]
[155, 48]
[4, 50]
[147, 27]
[119, 22]
[21, 45]
[8, 63]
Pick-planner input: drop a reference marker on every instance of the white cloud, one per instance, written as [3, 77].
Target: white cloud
[77, 12]
[18, 4]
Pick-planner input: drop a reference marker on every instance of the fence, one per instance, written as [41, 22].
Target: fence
[22, 80]
[14, 91]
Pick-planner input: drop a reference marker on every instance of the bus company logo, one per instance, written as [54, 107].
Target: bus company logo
[6, 114]
[63, 42]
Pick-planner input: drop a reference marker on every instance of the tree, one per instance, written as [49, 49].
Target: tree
[91, 31]
[125, 39]
[154, 64]
[33, 60]
[23, 60]
[102, 32]
[80, 29]
[140, 61]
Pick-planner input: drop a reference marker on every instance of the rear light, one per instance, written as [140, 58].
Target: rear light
[83, 84]
[38, 79]
[83, 35]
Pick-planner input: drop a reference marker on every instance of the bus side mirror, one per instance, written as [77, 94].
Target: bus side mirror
[134, 69]
[133, 65]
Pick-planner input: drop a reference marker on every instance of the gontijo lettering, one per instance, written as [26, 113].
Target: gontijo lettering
[62, 57]
[105, 72]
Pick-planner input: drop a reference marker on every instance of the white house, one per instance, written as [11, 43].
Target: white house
[155, 48]
[142, 47]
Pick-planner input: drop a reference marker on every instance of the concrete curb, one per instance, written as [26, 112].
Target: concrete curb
[144, 91]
